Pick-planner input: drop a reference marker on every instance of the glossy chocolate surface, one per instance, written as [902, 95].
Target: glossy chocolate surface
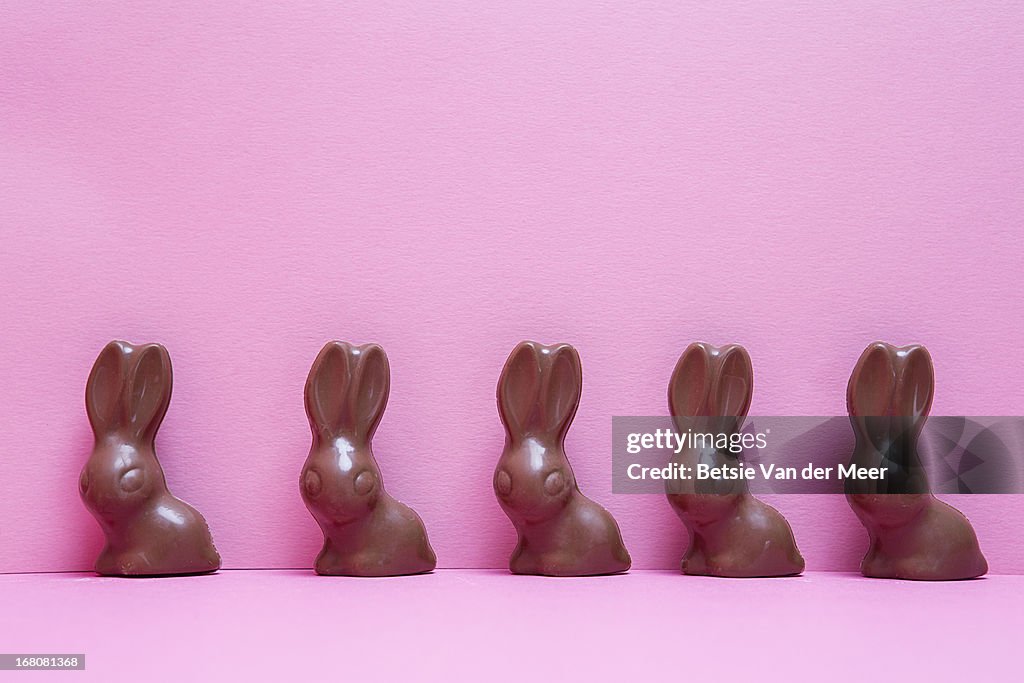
[912, 534]
[366, 531]
[561, 531]
[732, 533]
[148, 531]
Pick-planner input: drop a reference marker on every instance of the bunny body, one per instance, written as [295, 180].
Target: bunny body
[148, 531]
[732, 533]
[366, 531]
[561, 531]
[912, 534]
[751, 540]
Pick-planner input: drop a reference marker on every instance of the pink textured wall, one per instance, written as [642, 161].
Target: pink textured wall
[243, 183]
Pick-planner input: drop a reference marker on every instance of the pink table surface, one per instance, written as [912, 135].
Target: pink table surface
[488, 625]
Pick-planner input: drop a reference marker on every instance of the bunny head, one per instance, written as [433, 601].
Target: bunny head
[346, 394]
[710, 382]
[126, 397]
[890, 382]
[888, 397]
[710, 391]
[538, 393]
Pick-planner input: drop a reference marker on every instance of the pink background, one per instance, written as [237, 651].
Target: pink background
[243, 183]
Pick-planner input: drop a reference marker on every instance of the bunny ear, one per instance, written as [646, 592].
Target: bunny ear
[103, 391]
[327, 389]
[870, 391]
[149, 390]
[370, 389]
[916, 384]
[691, 382]
[734, 386]
[563, 385]
[519, 388]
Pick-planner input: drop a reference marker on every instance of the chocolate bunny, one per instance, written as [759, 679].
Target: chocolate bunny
[913, 535]
[148, 531]
[561, 531]
[366, 531]
[732, 533]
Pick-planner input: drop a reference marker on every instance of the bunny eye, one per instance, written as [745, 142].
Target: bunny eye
[83, 481]
[554, 483]
[131, 480]
[503, 483]
[364, 483]
[312, 483]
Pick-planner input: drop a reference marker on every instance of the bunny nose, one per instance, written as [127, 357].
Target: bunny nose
[503, 483]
